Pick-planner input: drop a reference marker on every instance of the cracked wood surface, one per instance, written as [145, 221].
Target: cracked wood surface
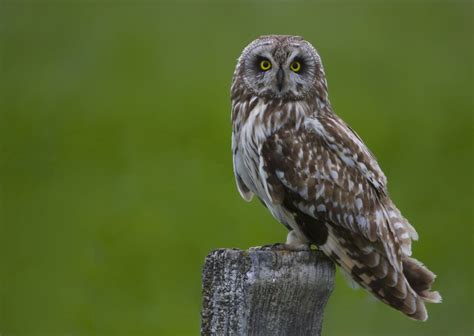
[265, 291]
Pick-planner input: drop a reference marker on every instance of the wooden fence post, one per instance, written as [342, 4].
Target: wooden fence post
[265, 291]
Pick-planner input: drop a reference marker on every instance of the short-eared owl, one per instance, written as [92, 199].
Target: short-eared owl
[316, 176]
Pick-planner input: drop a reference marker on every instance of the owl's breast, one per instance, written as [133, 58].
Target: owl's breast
[250, 130]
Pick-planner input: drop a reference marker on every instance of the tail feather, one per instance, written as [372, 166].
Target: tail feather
[406, 291]
[420, 279]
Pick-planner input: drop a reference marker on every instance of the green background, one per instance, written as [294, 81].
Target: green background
[115, 162]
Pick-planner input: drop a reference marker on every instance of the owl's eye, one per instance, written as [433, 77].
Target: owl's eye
[295, 66]
[265, 65]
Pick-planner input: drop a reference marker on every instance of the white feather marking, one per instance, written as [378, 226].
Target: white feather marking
[321, 208]
[304, 192]
[315, 124]
[366, 249]
[300, 154]
[347, 160]
[350, 219]
[253, 99]
[361, 220]
[398, 226]
[320, 191]
[392, 214]
[378, 217]
[280, 174]
[351, 185]
[404, 236]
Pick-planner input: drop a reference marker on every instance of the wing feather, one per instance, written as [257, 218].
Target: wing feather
[343, 189]
[340, 201]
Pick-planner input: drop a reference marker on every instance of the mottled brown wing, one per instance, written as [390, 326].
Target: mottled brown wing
[313, 178]
[316, 176]
[338, 206]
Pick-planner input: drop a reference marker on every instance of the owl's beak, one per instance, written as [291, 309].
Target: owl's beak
[280, 79]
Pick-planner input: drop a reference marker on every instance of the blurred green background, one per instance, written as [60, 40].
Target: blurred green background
[115, 162]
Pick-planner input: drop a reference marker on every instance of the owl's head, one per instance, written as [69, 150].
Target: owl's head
[281, 67]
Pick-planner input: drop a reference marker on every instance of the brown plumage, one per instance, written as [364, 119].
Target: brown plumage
[316, 176]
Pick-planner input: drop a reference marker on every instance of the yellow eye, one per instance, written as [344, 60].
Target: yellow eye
[265, 65]
[295, 66]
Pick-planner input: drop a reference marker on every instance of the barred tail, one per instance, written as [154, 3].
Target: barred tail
[406, 291]
[420, 279]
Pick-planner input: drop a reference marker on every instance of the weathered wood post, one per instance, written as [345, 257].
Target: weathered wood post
[265, 291]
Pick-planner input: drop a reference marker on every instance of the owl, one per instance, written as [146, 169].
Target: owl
[316, 176]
